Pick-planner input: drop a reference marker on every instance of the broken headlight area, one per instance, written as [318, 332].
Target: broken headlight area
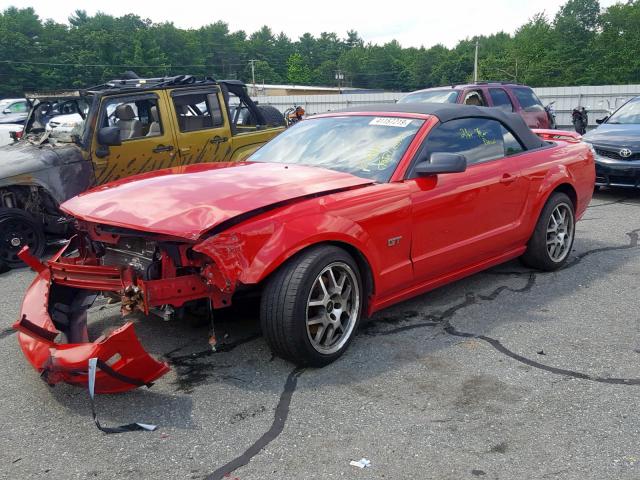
[151, 276]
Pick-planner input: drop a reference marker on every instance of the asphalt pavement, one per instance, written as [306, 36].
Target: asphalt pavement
[508, 374]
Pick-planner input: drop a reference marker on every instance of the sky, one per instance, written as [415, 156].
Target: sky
[413, 23]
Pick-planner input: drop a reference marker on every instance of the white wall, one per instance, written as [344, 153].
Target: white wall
[566, 98]
[594, 98]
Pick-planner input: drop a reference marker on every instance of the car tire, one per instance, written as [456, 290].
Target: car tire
[305, 323]
[550, 245]
[272, 116]
[17, 229]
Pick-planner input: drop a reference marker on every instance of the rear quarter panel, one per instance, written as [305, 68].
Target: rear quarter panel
[563, 163]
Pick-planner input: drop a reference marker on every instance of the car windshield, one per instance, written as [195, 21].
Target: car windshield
[366, 146]
[67, 114]
[628, 114]
[431, 96]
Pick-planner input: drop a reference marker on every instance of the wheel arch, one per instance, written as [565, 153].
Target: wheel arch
[557, 180]
[366, 272]
[568, 190]
[33, 198]
[364, 265]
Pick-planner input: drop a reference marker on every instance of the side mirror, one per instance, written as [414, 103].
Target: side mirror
[109, 136]
[441, 163]
[6, 111]
[600, 121]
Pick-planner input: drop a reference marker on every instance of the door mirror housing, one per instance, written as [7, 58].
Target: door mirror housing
[600, 121]
[441, 163]
[109, 136]
[6, 111]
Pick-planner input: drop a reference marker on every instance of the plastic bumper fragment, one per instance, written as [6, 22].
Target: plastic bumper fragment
[127, 364]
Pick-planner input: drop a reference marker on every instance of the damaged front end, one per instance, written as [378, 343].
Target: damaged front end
[146, 273]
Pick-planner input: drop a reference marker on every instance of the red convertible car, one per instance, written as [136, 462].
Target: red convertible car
[340, 216]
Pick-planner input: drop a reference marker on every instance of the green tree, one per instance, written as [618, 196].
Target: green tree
[298, 72]
[581, 45]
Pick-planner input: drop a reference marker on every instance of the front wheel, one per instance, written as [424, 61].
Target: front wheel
[552, 239]
[17, 230]
[311, 306]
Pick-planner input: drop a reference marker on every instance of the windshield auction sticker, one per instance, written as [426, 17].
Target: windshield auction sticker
[391, 122]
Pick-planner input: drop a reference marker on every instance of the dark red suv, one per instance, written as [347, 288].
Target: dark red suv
[510, 97]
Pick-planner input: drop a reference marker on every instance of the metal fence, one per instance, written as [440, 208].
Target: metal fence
[598, 100]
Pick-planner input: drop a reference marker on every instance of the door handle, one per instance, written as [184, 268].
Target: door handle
[508, 179]
[163, 148]
[218, 139]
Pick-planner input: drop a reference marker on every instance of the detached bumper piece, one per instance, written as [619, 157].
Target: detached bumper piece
[53, 329]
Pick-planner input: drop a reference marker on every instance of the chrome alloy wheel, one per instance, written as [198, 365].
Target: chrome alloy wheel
[560, 232]
[333, 307]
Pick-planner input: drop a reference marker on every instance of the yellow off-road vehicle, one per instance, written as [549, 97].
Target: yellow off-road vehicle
[73, 141]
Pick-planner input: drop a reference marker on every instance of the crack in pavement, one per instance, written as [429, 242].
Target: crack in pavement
[279, 420]
[451, 330]
[633, 243]
[443, 319]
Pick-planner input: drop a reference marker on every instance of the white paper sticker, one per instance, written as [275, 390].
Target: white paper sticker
[391, 122]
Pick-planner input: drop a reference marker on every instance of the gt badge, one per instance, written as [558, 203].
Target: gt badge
[393, 242]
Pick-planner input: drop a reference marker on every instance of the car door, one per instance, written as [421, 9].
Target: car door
[147, 138]
[500, 99]
[531, 108]
[200, 126]
[463, 219]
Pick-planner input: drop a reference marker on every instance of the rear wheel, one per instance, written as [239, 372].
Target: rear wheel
[551, 242]
[311, 307]
[17, 229]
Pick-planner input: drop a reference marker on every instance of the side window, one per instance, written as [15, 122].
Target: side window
[512, 145]
[18, 107]
[500, 99]
[475, 97]
[528, 100]
[478, 139]
[136, 117]
[197, 111]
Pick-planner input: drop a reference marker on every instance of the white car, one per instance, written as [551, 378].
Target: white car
[13, 110]
[63, 125]
[5, 131]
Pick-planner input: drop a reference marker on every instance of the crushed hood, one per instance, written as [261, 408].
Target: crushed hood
[188, 201]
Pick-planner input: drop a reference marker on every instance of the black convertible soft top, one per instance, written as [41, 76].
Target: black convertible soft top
[453, 111]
